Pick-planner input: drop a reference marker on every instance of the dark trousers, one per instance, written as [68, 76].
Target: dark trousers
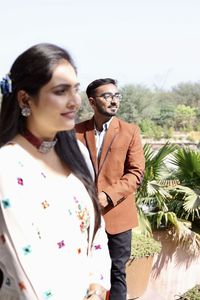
[120, 250]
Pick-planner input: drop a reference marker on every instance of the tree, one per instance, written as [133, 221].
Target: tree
[136, 104]
[184, 116]
[85, 111]
[187, 94]
[165, 107]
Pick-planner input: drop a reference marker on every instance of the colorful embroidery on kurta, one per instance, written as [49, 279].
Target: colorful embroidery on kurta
[22, 286]
[83, 215]
[101, 277]
[45, 204]
[6, 203]
[27, 249]
[97, 247]
[75, 199]
[61, 244]
[39, 234]
[20, 181]
[70, 212]
[43, 174]
[20, 163]
[48, 294]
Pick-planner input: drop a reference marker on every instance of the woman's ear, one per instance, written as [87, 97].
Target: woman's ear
[23, 99]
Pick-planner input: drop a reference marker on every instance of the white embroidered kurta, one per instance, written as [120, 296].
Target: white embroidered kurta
[44, 225]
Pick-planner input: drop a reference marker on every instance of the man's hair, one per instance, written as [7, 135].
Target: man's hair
[90, 91]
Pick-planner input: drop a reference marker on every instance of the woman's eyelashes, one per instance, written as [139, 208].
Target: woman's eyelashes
[66, 89]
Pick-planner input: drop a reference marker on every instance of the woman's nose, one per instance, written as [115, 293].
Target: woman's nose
[74, 100]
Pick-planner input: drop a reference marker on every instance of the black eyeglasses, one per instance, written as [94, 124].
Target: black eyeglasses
[110, 96]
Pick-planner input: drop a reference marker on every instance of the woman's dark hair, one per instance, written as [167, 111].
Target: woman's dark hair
[90, 91]
[1, 278]
[30, 72]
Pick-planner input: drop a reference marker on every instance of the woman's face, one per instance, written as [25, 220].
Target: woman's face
[57, 103]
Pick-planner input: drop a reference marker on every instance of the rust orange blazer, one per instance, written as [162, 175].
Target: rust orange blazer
[119, 171]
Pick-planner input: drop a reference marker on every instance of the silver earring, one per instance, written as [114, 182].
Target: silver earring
[26, 111]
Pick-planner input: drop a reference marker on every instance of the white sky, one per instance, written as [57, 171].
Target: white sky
[149, 42]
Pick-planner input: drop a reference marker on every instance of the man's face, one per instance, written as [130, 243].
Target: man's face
[106, 100]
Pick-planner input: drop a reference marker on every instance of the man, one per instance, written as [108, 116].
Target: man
[117, 156]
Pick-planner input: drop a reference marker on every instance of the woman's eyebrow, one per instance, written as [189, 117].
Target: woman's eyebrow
[77, 84]
[67, 86]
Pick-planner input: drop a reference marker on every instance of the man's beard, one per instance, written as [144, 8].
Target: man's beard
[105, 113]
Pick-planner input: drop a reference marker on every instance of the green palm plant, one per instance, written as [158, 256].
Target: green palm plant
[173, 195]
[187, 162]
[186, 202]
[151, 193]
[155, 170]
[186, 196]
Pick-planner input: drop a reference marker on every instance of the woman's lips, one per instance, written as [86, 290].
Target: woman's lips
[69, 114]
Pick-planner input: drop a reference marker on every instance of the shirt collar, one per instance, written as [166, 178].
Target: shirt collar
[105, 125]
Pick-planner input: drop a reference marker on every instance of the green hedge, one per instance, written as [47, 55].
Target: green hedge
[143, 246]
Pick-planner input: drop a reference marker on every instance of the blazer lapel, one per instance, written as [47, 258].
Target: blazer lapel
[108, 140]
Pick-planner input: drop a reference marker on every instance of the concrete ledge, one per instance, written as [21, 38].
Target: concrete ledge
[174, 272]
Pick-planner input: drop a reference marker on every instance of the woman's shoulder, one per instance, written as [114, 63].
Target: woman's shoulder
[9, 153]
[8, 150]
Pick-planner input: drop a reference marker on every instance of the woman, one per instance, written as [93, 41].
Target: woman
[52, 243]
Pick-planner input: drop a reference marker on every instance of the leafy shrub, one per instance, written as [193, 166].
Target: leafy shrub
[168, 132]
[143, 245]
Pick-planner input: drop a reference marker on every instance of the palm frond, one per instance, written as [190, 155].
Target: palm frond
[186, 238]
[168, 182]
[162, 218]
[155, 163]
[154, 188]
[164, 152]
[144, 224]
[190, 201]
[187, 162]
[148, 152]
